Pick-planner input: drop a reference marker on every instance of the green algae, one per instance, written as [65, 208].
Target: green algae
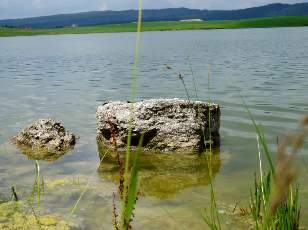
[63, 182]
[13, 216]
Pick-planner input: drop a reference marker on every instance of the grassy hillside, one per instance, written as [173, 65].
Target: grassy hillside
[287, 21]
[155, 15]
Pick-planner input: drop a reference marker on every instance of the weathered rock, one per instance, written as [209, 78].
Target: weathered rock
[45, 137]
[167, 124]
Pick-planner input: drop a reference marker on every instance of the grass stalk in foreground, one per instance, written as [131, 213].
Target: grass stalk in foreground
[131, 197]
[261, 136]
[275, 199]
[14, 195]
[212, 218]
[38, 185]
[85, 189]
[194, 80]
[211, 215]
[131, 179]
[37, 189]
[274, 202]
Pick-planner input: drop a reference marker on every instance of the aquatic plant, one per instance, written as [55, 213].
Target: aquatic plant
[86, 187]
[14, 194]
[36, 190]
[275, 200]
[212, 218]
[130, 177]
[181, 78]
[211, 215]
[14, 216]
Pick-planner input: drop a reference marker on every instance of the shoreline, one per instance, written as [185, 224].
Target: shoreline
[271, 22]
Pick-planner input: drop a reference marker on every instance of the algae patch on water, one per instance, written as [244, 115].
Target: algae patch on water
[13, 216]
[65, 182]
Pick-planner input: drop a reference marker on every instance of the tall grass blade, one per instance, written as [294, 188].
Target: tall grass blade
[275, 203]
[133, 95]
[86, 187]
[261, 136]
[209, 112]
[212, 220]
[38, 184]
[194, 80]
[124, 223]
[36, 217]
[14, 194]
[133, 186]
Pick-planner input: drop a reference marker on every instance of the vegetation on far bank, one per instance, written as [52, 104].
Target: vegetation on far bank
[153, 15]
[287, 21]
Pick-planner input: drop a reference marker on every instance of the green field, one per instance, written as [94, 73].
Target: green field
[164, 26]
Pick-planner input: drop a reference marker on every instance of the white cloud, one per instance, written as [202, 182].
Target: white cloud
[103, 6]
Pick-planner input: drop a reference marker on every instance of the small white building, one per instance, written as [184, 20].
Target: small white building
[192, 20]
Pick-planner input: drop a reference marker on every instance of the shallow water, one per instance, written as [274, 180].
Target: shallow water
[67, 76]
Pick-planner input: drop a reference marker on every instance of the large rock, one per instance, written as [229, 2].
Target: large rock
[168, 124]
[44, 138]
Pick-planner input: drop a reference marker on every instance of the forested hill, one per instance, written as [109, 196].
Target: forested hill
[172, 14]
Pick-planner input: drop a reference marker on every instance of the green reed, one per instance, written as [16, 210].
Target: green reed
[132, 190]
[14, 195]
[86, 187]
[274, 202]
[36, 193]
[181, 78]
[211, 215]
[130, 182]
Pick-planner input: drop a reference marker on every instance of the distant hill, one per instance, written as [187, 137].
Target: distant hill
[171, 14]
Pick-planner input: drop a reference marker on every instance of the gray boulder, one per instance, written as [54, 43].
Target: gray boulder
[167, 124]
[45, 137]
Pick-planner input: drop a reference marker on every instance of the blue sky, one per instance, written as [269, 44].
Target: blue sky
[28, 8]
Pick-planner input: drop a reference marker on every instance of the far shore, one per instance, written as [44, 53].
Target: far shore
[270, 22]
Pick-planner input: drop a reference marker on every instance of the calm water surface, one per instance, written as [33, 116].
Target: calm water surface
[68, 76]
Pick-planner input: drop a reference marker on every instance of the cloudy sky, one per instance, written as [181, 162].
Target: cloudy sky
[28, 8]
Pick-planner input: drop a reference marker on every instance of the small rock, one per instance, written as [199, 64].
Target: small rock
[167, 124]
[45, 137]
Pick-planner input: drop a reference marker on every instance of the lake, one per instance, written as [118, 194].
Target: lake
[68, 76]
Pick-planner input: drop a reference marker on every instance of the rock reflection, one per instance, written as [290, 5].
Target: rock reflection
[163, 175]
[41, 153]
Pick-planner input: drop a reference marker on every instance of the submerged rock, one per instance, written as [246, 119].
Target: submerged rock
[167, 124]
[45, 138]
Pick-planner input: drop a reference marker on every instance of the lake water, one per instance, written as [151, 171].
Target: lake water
[68, 76]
